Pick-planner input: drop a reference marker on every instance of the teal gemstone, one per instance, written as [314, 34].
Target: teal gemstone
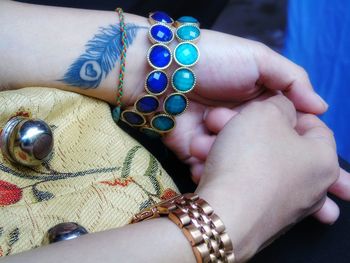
[183, 80]
[116, 114]
[188, 19]
[175, 104]
[188, 32]
[163, 123]
[186, 54]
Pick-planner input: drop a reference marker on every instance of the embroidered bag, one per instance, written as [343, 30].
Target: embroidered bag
[98, 176]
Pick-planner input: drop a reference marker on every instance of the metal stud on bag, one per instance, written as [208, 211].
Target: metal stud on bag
[26, 141]
[64, 231]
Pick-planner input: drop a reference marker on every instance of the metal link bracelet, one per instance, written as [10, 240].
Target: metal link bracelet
[202, 227]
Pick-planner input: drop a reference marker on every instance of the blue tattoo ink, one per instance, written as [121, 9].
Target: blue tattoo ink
[100, 57]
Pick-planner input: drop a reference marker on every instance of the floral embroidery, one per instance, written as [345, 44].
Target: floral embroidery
[120, 181]
[22, 112]
[9, 193]
[42, 177]
[152, 173]
[168, 193]
[1, 250]
[12, 237]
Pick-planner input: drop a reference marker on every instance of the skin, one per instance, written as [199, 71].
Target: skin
[231, 71]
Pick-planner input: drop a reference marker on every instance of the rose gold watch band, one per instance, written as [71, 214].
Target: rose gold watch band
[201, 226]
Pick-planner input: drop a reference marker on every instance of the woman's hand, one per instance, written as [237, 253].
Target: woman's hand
[216, 119]
[262, 175]
[238, 70]
[232, 70]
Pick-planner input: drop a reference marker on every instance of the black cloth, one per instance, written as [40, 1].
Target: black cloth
[197, 9]
[313, 242]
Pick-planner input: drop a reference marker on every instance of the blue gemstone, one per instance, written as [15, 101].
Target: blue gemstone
[186, 54]
[157, 82]
[133, 118]
[183, 80]
[147, 104]
[163, 123]
[188, 19]
[188, 33]
[161, 33]
[159, 56]
[161, 17]
[175, 104]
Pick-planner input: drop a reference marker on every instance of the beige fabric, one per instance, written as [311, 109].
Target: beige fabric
[98, 176]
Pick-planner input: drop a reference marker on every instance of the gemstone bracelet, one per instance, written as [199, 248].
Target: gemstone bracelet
[145, 113]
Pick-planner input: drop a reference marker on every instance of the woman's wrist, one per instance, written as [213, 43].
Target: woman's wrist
[49, 55]
[136, 62]
[240, 227]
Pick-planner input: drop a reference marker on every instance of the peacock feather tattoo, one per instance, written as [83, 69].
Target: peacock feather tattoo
[100, 56]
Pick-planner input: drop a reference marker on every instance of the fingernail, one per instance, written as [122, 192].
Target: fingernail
[325, 104]
[205, 114]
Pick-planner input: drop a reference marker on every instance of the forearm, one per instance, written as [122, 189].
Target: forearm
[157, 240]
[39, 44]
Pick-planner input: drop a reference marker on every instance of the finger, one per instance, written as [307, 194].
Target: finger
[284, 106]
[310, 126]
[188, 125]
[201, 145]
[341, 188]
[197, 171]
[281, 74]
[216, 118]
[329, 212]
